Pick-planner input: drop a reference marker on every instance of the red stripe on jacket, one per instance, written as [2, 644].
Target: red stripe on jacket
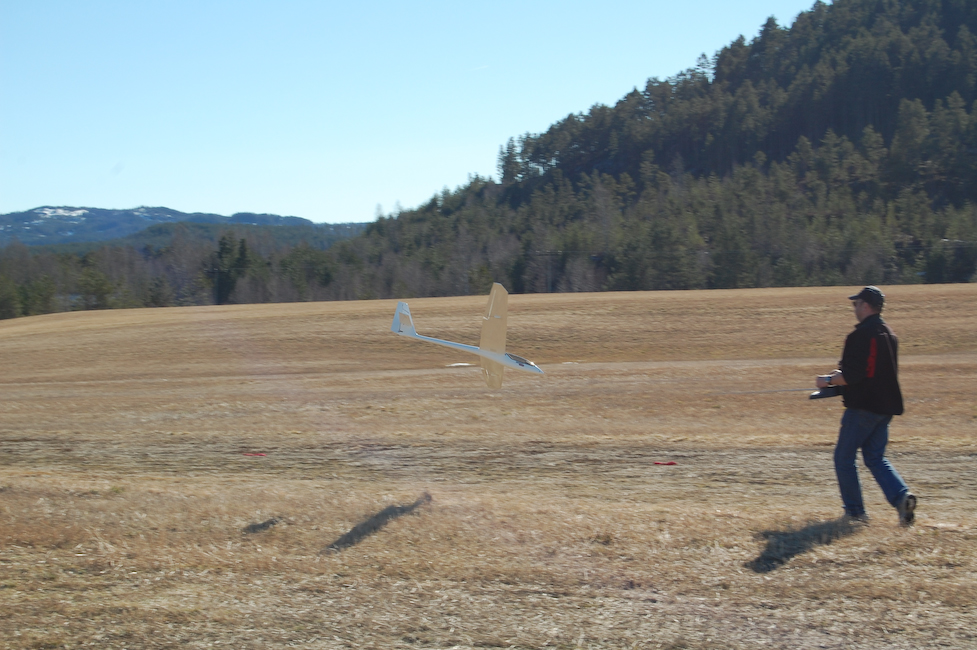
[873, 349]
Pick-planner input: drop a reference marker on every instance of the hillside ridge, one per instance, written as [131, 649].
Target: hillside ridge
[67, 224]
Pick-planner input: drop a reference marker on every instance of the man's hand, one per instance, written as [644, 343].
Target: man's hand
[835, 378]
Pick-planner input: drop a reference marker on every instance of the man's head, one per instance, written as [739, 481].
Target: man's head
[866, 302]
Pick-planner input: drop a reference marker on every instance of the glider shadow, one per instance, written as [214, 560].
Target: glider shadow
[374, 523]
[782, 545]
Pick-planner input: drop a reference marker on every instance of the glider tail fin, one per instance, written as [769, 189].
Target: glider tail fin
[494, 322]
[493, 334]
[403, 323]
[492, 371]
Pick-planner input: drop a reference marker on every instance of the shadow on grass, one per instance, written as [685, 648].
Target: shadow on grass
[782, 545]
[265, 525]
[374, 523]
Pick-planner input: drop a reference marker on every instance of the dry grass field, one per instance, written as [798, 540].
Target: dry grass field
[140, 448]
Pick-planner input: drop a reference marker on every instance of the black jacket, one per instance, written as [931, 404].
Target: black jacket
[870, 364]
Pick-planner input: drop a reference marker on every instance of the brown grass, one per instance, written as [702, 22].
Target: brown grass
[125, 490]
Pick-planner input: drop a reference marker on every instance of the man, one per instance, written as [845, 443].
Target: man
[868, 375]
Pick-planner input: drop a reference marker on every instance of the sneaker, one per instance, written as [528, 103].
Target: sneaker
[907, 508]
[855, 519]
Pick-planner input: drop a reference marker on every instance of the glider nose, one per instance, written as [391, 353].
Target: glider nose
[523, 363]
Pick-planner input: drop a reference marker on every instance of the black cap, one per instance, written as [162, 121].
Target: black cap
[871, 295]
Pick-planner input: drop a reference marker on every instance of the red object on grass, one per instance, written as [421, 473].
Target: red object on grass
[255, 454]
[671, 462]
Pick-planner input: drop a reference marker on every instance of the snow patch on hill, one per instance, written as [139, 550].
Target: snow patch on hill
[48, 213]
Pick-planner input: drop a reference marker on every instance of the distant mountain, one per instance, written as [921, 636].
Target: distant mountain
[69, 225]
[319, 236]
[62, 258]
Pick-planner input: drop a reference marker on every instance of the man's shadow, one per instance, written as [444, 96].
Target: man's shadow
[782, 545]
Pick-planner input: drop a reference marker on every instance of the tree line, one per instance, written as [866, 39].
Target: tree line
[817, 218]
[243, 266]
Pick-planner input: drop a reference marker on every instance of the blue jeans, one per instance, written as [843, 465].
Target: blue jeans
[869, 432]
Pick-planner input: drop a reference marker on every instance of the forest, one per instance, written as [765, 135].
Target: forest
[839, 150]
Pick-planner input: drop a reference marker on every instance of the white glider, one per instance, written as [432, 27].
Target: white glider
[491, 346]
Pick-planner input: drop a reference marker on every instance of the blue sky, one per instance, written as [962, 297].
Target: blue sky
[322, 110]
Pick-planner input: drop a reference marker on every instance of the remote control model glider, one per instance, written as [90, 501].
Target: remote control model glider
[491, 347]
